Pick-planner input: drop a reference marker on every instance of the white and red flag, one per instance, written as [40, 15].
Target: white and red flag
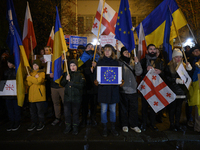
[109, 20]
[155, 91]
[51, 39]
[28, 33]
[142, 47]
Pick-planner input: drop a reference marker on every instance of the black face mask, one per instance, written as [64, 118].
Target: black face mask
[152, 54]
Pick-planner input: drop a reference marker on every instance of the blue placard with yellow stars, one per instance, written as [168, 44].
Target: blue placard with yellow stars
[109, 75]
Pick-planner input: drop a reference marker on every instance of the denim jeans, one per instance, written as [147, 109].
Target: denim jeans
[104, 108]
[14, 111]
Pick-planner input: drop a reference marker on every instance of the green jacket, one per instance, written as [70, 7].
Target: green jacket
[73, 93]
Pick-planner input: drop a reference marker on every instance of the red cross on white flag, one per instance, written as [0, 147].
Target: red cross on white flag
[155, 91]
[109, 20]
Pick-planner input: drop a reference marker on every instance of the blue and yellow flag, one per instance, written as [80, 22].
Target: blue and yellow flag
[12, 18]
[124, 27]
[15, 45]
[59, 47]
[154, 23]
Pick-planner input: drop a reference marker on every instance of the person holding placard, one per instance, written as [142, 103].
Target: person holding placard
[108, 95]
[176, 84]
[14, 111]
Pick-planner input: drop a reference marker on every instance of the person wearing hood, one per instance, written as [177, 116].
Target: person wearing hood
[73, 83]
[176, 84]
[129, 96]
[14, 111]
[36, 96]
[150, 62]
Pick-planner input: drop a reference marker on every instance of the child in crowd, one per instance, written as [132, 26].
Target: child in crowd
[14, 112]
[176, 84]
[108, 95]
[73, 83]
[36, 83]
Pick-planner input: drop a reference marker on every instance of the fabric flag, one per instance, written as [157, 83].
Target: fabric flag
[51, 39]
[20, 60]
[124, 28]
[108, 20]
[28, 32]
[12, 18]
[59, 46]
[167, 46]
[85, 57]
[154, 23]
[142, 47]
[155, 91]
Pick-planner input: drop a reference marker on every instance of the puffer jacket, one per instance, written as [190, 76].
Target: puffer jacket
[130, 83]
[37, 91]
[74, 92]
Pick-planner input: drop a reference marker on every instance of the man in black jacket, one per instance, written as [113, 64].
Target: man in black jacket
[150, 61]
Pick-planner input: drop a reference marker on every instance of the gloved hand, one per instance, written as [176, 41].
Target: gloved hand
[96, 82]
[179, 81]
[188, 66]
[70, 83]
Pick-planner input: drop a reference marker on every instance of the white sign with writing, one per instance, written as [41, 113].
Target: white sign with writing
[47, 59]
[184, 75]
[108, 39]
[8, 88]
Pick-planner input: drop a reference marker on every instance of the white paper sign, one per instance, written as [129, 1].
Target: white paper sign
[184, 75]
[108, 39]
[47, 59]
[9, 88]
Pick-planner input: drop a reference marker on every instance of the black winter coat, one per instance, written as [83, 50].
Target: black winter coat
[108, 93]
[170, 80]
[73, 90]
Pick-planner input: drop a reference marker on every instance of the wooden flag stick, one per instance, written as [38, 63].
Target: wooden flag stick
[95, 51]
[31, 48]
[178, 36]
[27, 70]
[66, 65]
[192, 33]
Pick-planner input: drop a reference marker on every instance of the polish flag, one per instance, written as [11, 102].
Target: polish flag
[155, 91]
[109, 20]
[51, 39]
[142, 43]
[28, 32]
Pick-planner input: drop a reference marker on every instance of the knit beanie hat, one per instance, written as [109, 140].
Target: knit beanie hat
[177, 52]
[122, 50]
[74, 61]
[37, 62]
[11, 60]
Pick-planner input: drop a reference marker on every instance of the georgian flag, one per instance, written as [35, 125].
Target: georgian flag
[155, 91]
[109, 20]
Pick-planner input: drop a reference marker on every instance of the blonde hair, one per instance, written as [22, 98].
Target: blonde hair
[112, 55]
[48, 48]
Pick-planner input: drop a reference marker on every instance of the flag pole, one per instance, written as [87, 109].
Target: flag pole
[192, 33]
[27, 70]
[178, 36]
[95, 51]
[31, 48]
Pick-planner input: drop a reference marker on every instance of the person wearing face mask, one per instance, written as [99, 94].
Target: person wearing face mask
[128, 92]
[176, 84]
[150, 62]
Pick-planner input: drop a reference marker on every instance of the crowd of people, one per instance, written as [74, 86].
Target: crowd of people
[79, 92]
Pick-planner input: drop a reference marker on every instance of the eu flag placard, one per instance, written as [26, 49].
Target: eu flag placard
[107, 75]
[124, 28]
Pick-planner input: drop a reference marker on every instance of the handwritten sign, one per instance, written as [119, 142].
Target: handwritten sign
[108, 39]
[9, 88]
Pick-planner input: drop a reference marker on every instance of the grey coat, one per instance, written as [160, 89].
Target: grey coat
[130, 83]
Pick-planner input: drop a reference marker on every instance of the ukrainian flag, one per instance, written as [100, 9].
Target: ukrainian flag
[16, 47]
[154, 23]
[194, 90]
[59, 47]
